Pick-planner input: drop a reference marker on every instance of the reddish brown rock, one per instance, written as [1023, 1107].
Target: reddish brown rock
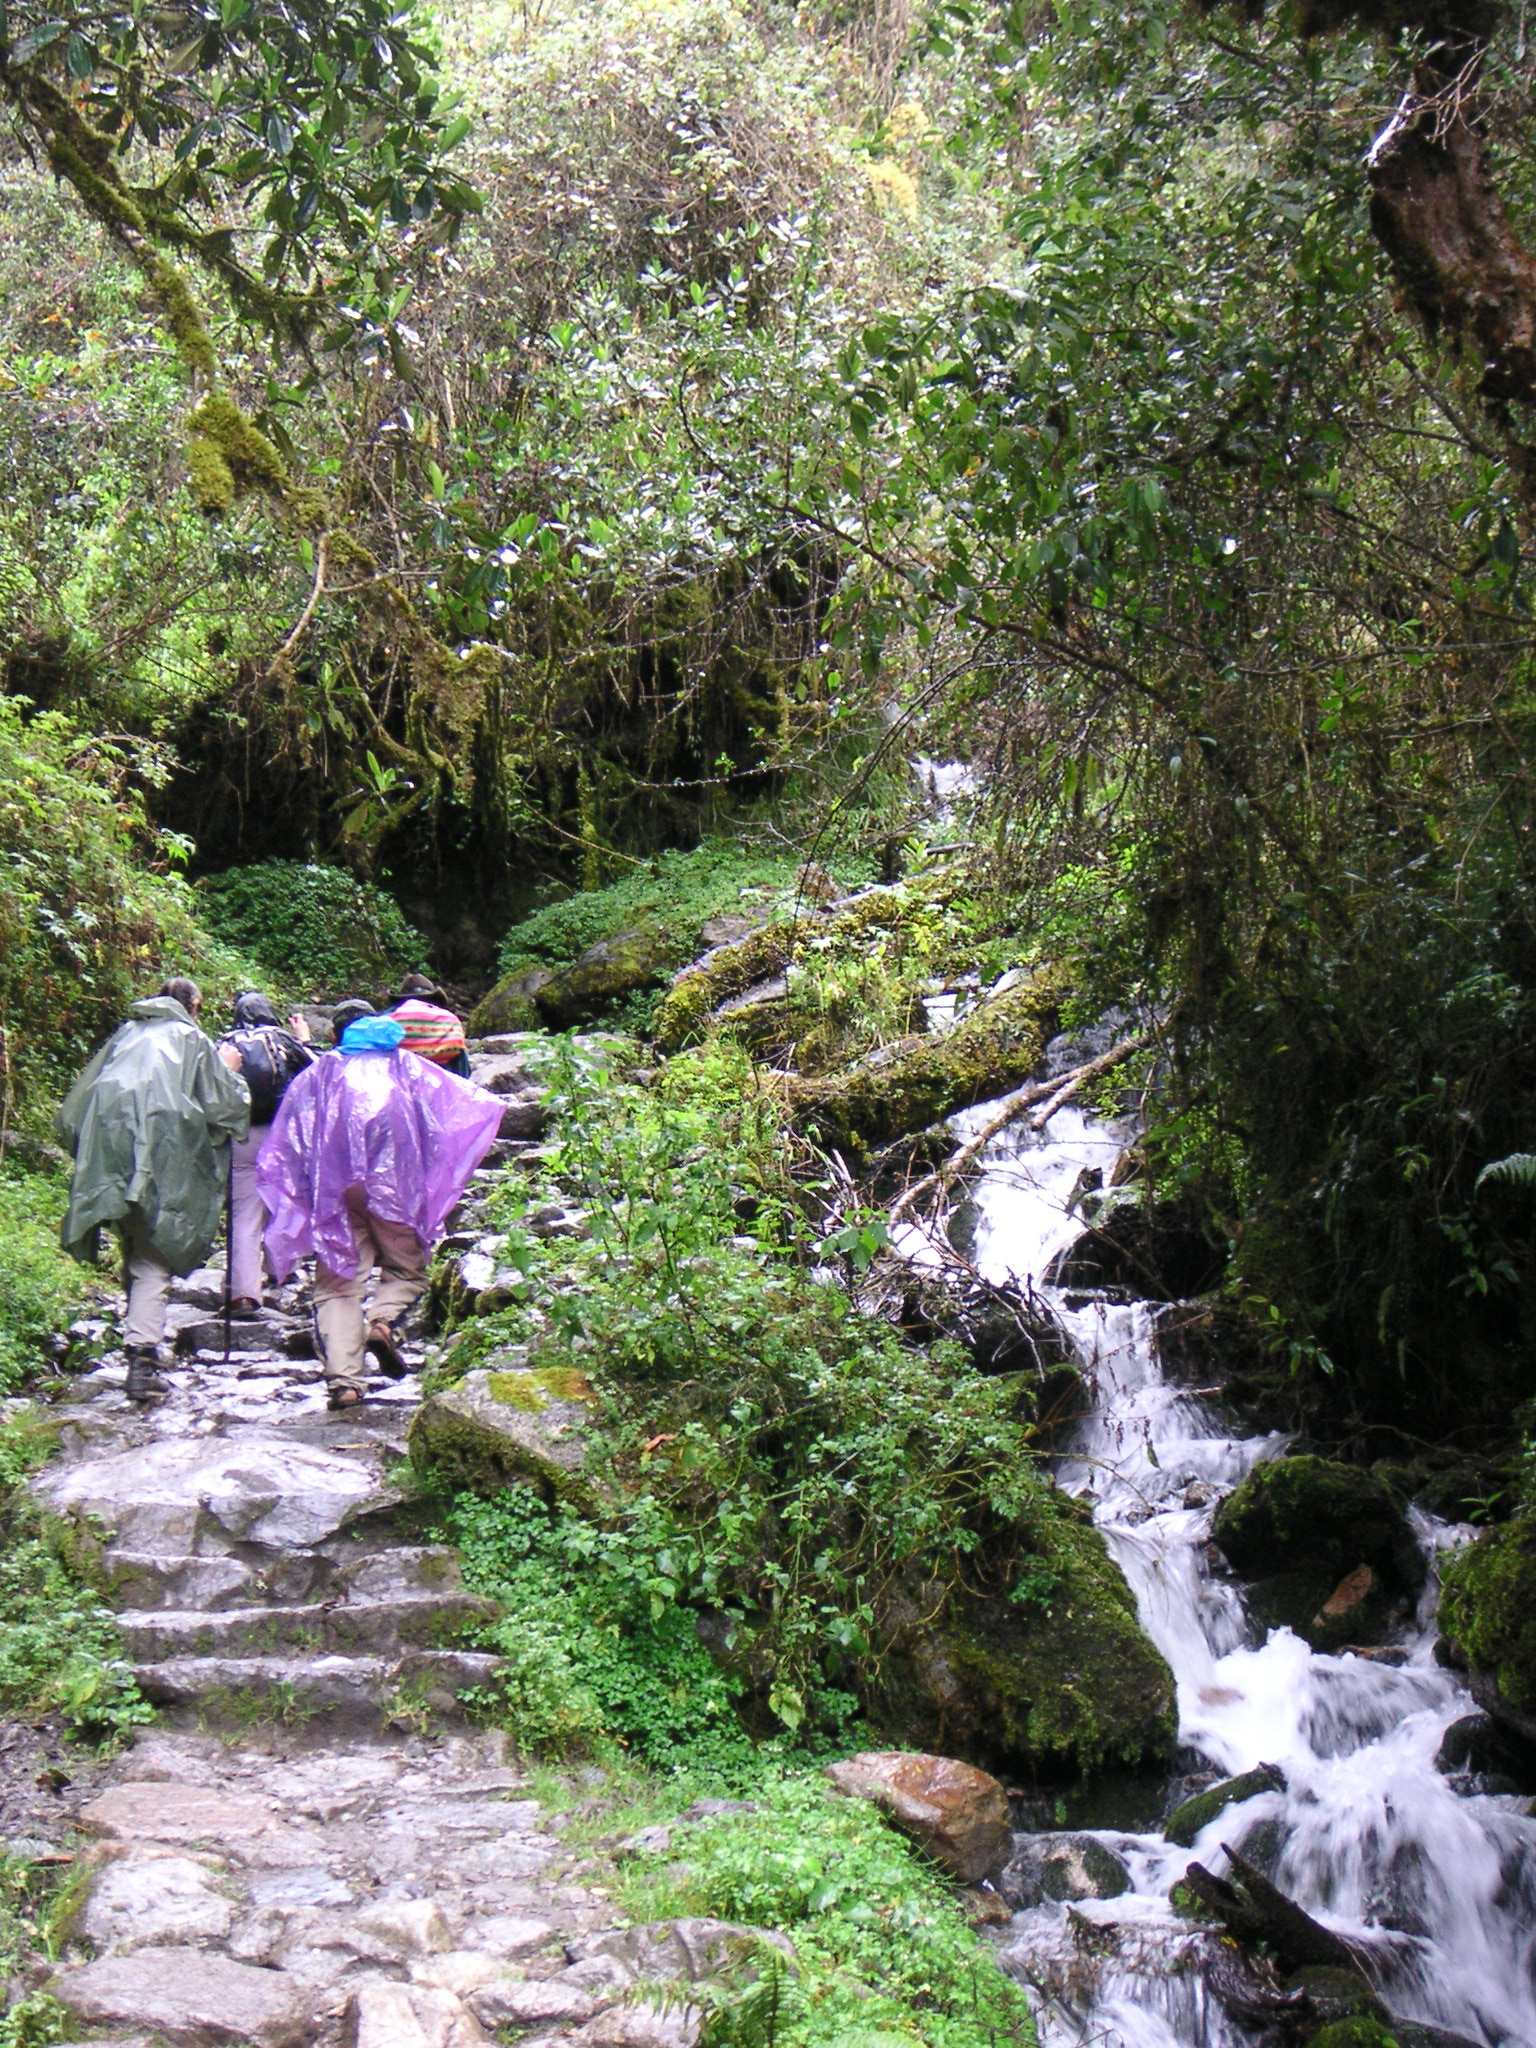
[1352, 1592]
[956, 1812]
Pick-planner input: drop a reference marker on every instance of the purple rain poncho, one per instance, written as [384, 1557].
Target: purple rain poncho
[407, 1133]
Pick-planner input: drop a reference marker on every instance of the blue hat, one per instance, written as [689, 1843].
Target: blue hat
[372, 1034]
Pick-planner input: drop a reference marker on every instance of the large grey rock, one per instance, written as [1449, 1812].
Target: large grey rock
[381, 2014]
[191, 1997]
[958, 1813]
[141, 1901]
[1057, 1867]
[201, 1493]
[153, 1811]
[495, 1427]
[508, 2003]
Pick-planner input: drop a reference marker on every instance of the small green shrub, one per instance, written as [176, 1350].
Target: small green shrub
[319, 927]
[598, 1658]
[39, 1286]
[882, 1946]
[59, 1646]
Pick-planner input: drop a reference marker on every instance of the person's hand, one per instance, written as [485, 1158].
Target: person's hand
[298, 1024]
[231, 1057]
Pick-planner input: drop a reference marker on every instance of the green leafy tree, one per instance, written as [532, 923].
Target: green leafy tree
[278, 150]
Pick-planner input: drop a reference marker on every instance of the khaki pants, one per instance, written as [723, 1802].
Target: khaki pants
[340, 1326]
[248, 1215]
[148, 1280]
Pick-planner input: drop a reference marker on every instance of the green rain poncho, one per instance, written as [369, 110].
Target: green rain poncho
[149, 1123]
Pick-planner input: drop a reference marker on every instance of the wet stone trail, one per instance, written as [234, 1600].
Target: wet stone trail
[310, 1845]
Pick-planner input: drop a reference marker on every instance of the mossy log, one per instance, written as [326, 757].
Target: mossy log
[729, 970]
[922, 1079]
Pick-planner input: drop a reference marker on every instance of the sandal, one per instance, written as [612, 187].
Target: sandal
[343, 1395]
[383, 1346]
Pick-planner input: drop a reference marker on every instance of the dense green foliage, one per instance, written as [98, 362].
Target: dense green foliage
[789, 1465]
[39, 1285]
[319, 928]
[59, 1648]
[675, 892]
[598, 1658]
[883, 1953]
[92, 910]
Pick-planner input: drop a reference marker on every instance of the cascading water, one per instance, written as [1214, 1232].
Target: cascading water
[1439, 1889]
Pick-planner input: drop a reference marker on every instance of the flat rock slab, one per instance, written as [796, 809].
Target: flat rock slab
[204, 1492]
[191, 1997]
[143, 1901]
[155, 1812]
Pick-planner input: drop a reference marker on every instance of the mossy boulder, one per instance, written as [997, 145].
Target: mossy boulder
[1488, 1616]
[602, 975]
[515, 1426]
[1298, 1527]
[1333, 1994]
[1056, 1680]
[1192, 1815]
[1062, 1867]
[510, 1006]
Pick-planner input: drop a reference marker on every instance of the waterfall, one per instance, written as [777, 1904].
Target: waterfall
[1439, 1888]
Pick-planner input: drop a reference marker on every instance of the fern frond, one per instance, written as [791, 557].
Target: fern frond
[1518, 1170]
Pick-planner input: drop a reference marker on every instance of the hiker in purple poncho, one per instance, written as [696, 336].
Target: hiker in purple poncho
[370, 1150]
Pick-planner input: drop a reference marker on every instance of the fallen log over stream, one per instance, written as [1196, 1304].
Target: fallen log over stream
[926, 1077]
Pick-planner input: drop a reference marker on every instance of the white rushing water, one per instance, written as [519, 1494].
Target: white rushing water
[1377, 1843]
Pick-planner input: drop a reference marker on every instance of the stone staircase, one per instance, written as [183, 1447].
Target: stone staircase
[263, 1549]
[312, 1847]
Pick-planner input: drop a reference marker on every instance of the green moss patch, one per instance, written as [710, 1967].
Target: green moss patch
[1488, 1609]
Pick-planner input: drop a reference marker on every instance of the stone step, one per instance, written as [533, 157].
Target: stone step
[144, 1580]
[361, 1627]
[365, 1691]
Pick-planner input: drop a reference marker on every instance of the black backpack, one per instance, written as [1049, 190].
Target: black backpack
[269, 1060]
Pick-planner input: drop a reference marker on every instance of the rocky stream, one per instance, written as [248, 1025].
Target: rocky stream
[313, 1846]
[1344, 1782]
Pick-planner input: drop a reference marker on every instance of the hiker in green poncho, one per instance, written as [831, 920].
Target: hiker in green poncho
[149, 1123]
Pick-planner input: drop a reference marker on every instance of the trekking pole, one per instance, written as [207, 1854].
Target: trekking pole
[229, 1256]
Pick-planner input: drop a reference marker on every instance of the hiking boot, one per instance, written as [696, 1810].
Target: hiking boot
[144, 1383]
[245, 1305]
[383, 1346]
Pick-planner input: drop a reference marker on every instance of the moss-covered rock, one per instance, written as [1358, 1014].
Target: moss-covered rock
[1299, 1526]
[1049, 1680]
[922, 1079]
[1488, 1615]
[1061, 1867]
[510, 1006]
[500, 1428]
[602, 975]
[1192, 1815]
[1333, 1994]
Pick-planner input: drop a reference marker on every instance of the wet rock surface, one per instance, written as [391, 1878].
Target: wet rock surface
[1326, 1548]
[312, 1845]
[1060, 1867]
[956, 1812]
